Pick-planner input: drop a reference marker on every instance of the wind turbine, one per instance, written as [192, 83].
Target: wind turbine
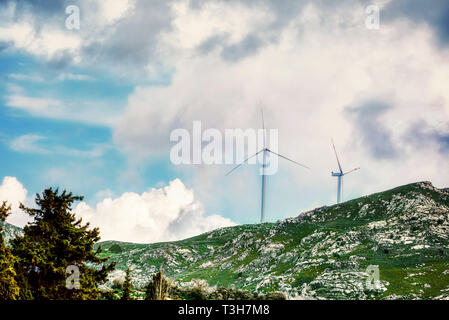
[340, 174]
[265, 151]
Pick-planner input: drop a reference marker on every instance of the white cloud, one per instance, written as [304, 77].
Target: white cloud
[38, 106]
[26, 77]
[237, 20]
[164, 214]
[307, 73]
[12, 88]
[12, 191]
[48, 42]
[41, 32]
[29, 144]
[75, 77]
[88, 112]
[323, 63]
[110, 11]
[168, 213]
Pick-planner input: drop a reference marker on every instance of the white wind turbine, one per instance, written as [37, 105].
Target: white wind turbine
[265, 150]
[340, 174]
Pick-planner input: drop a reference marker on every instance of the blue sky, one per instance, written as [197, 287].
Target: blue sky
[33, 167]
[91, 110]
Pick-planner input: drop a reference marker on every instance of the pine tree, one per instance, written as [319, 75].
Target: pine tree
[55, 243]
[9, 289]
[158, 288]
[127, 286]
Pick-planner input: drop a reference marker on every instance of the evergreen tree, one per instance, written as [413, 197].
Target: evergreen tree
[55, 243]
[158, 288]
[127, 286]
[9, 289]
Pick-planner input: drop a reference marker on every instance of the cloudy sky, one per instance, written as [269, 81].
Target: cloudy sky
[91, 109]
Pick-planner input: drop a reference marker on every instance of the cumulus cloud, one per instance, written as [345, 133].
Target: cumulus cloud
[164, 214]
[168, 213]
[13, 192]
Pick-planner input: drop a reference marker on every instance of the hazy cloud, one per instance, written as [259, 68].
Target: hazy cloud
[434, 13]
[26, 77]
[373, 134]
[30, 144]
[244, 48]
[421, 135]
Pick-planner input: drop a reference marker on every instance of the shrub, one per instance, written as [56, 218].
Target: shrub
[115, 248]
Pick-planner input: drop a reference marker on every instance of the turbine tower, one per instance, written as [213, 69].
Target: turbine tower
[340, 174]
[265, 151]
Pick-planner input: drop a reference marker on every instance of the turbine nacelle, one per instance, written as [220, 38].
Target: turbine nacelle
[340, 175]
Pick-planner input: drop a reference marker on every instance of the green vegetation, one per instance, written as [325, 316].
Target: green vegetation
[320, 254]
[159, 288]
[323, 253]
[53, 254]
[115, 248]
[127, 286]
[9, 288]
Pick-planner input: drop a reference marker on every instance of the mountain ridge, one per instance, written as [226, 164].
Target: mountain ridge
[324, 253]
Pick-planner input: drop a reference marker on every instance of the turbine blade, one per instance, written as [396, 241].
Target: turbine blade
[351, 171]
[299, 164]
[336, 156]
[239, 165]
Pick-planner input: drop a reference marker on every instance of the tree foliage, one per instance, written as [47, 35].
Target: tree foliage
[9, 288]
[127, 286]
[159, 288]
[54, 241]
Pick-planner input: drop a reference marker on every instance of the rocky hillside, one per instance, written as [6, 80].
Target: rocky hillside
[321, 254]
[325, 253]
[9, 231]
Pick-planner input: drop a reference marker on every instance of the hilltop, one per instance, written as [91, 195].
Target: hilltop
[322, 253]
